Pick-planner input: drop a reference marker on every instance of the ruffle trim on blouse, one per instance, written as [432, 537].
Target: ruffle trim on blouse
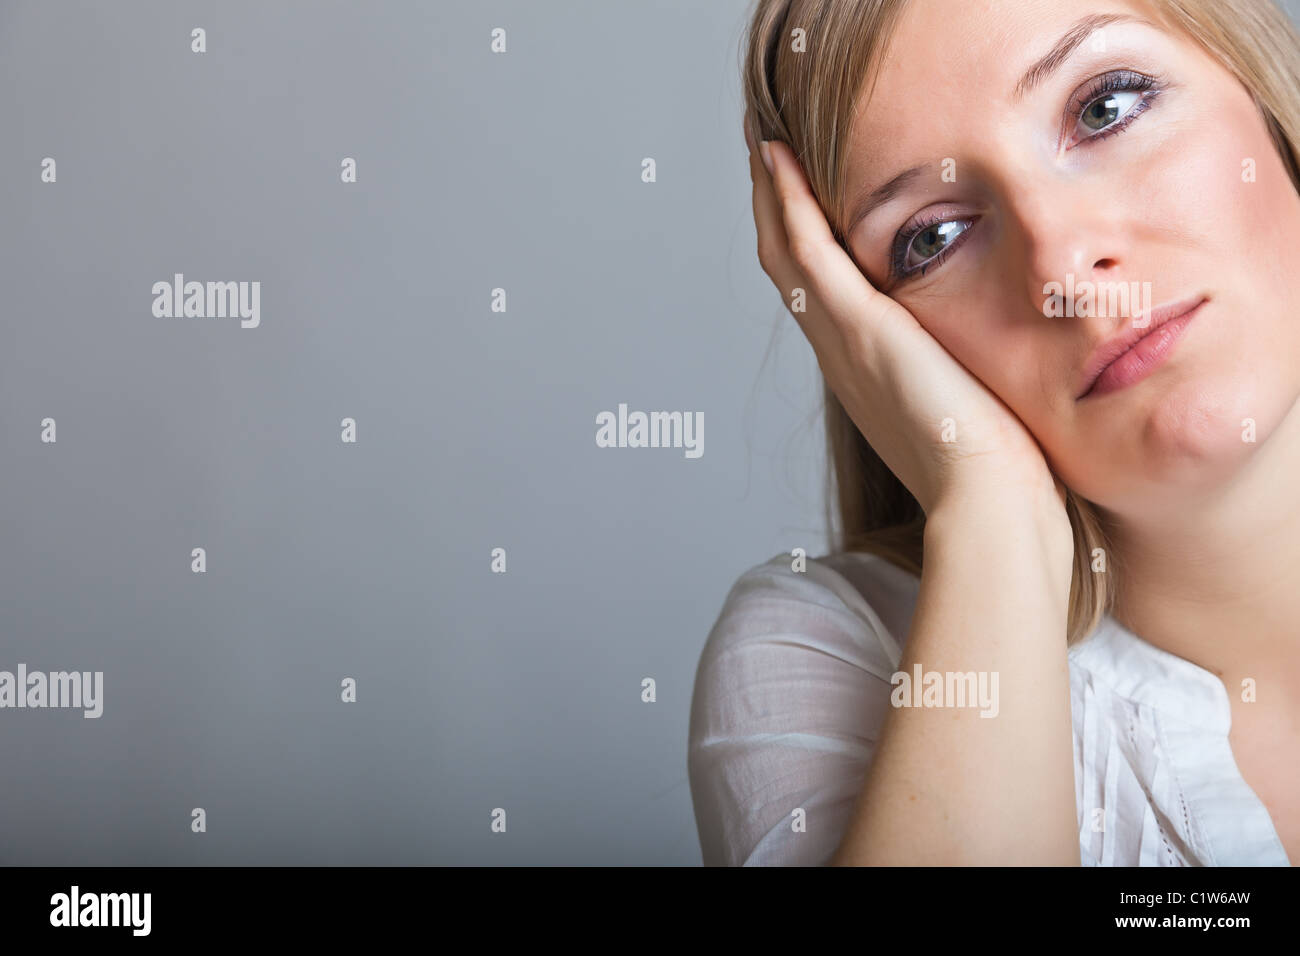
[1164, 719]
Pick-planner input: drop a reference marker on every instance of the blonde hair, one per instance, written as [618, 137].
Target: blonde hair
[807, 101]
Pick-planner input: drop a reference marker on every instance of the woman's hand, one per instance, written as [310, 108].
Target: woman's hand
[944, 787]
[903, 390]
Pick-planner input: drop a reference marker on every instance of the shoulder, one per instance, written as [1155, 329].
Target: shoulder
[791, 690]
[854, 601]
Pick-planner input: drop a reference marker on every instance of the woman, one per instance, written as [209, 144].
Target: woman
[949, 196]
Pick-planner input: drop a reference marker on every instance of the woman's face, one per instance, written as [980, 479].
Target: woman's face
[1131, 160]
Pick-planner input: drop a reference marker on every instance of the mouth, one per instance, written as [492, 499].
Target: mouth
[1132, 354]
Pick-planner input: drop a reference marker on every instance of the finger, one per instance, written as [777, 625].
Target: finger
[836, 278]
[774, 256]
[773, 246]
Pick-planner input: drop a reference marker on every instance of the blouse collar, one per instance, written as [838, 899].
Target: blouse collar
[1146, 674]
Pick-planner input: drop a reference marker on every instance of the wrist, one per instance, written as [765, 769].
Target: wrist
[993, 519]
[1035, 490]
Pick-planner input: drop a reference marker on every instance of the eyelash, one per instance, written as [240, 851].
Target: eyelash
[1117, 81]
[898, 255]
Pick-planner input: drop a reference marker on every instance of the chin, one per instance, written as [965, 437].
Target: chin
[1197, 434]
[1172, 439]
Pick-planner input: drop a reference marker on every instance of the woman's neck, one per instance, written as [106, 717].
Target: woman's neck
[1215, 579]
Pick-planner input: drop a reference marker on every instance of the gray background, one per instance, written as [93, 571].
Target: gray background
[476, 429]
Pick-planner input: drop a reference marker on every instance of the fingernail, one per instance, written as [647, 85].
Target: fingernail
[766, 153]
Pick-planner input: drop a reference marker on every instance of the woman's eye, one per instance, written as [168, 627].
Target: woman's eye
[931, 241]
[1105, 111]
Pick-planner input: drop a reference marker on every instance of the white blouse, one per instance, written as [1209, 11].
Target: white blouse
[794, 683]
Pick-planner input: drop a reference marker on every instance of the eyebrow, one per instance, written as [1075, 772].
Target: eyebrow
[1034, 76]
[883, 194]
[1068, 43]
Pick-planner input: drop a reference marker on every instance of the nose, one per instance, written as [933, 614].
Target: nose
[1073, 240]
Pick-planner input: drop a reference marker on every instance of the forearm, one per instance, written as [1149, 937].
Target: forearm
[948, 786]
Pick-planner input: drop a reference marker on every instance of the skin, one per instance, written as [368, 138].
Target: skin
[1207, 525]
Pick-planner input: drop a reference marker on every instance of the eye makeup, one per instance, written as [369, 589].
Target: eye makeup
[1101, 90]
[1100, 98]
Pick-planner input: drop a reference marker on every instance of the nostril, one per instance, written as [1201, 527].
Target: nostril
[1104, 264]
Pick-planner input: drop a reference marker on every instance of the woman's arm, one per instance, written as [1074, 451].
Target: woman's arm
[948, 786]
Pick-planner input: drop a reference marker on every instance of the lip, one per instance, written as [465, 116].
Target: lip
[1130, 355]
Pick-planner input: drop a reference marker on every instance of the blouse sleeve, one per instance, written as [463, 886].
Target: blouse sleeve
[791, 691]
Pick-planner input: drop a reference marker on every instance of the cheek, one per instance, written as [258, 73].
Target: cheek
[1242, 367]
[1245, 203]
[1021, 361]
[1237, 373]
[1218, 181]
[973, 330]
